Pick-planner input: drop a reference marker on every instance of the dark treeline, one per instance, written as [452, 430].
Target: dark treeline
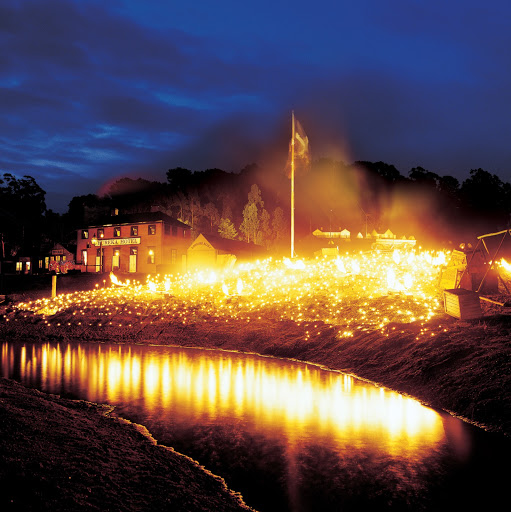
[254, 204]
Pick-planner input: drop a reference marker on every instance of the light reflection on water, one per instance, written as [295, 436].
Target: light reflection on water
[312, 438]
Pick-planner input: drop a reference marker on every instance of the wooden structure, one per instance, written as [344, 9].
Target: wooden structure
[480, 274]
[490, 256]
[213, 252]
[462, 304]
[460, 274]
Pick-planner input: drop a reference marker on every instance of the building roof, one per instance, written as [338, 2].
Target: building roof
[136, 218]
[229, 246]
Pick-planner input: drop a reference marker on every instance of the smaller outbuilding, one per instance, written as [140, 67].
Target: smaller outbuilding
[210, 251]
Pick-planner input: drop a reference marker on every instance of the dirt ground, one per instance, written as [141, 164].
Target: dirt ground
[63, 455]
[463, 367]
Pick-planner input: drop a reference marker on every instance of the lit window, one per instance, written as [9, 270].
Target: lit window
[101, 233]
[117, 231]
[151, 229]
[85, 234]
[19, 266]
[116, 259]
[134, 230]
[150, 255]
[84, 257]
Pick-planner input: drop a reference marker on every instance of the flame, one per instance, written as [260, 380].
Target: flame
[355, 266]
[295, 265]
[340, 265]
[114, 280]
[396, 256]
[505, 265]
[391, 278]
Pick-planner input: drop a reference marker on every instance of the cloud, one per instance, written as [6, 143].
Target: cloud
[93, 89]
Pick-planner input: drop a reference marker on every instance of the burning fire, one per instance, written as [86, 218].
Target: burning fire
[363, 292]
[505, 265]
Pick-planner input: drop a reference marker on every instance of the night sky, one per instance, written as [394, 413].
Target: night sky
[94, 90]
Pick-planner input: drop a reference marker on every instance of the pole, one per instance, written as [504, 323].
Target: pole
[53, 286]
[292, 184]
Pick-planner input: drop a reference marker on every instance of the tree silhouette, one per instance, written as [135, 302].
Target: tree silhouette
[226, 229]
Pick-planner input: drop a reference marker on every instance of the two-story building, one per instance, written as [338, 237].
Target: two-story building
[150, 242]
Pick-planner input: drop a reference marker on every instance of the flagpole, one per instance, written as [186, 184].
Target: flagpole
[292, 183]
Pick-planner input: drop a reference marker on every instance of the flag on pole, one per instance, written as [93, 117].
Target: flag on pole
[302, 159]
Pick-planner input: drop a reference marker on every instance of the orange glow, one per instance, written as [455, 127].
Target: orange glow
[271, 395]
[300, 291]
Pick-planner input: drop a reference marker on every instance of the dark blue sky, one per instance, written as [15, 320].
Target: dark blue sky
[93, 90]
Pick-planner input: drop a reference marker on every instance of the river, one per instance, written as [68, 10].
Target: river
[287, 435]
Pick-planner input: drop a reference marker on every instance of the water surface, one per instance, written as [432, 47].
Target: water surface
[287, 435]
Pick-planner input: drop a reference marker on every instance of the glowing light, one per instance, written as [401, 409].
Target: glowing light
[296, 265]
[341, 293]
[115, 280]
[505, 265]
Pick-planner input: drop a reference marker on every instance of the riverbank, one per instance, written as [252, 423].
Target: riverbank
[61, 455]
[463, 367]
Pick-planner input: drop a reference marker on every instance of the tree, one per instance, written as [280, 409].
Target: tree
[423, 177]
[22, 208]
[254, 196]
[210, 212]
[181, 202]
[264, 233]
[179, 179]
[250, 225]
[278, 225]
[194, 209]
[226, 229]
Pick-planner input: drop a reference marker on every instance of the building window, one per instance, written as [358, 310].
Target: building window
[101, 233]
[151, 229]
[85, 234]
[46, 262]
[117, 231]
[173, 256]
[134, 230]
[84, 257]
[19, 266]
[174, 230]
[150, 255]
[116, 259]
